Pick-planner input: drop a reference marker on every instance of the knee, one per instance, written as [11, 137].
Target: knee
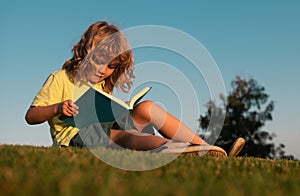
[141, 112]
[146, 103]
[144, 106]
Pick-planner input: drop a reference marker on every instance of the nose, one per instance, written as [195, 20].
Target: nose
[102, 69]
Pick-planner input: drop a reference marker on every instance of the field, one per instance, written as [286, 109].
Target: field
[28, 170]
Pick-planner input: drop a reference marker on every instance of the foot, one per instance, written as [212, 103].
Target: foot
[184, 148]
[237, 147]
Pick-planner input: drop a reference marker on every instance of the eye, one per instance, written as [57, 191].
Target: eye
[112, 66]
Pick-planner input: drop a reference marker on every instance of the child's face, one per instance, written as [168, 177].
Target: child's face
[99, 72]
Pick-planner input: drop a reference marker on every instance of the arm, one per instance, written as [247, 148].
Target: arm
[40, 114]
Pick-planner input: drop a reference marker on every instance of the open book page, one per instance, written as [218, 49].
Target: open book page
[79, 90]
[115, 99]
[98, 106]
[138, 97]
[131, 103]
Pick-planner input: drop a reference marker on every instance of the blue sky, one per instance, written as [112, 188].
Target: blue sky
[258, 39]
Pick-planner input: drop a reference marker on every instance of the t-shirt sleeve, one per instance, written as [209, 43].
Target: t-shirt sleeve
[49, 94]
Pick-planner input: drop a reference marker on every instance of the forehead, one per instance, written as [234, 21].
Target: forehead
[98, 59]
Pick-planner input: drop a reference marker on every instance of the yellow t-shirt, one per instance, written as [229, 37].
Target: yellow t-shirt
[57, 88]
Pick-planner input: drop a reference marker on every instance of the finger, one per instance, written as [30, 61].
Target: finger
[75, 111]
[67, 110]
[69, 103]
[75, 106]
[72, 109]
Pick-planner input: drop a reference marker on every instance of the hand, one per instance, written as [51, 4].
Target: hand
[68, 108]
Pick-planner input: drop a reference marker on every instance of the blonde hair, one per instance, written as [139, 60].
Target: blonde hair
[103, 43]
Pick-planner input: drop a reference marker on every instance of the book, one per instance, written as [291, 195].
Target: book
[98, 106]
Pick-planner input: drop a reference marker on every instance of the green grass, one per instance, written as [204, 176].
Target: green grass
[28, 170]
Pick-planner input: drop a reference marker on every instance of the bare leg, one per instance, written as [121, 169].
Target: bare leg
[170, 127]
[134, 140]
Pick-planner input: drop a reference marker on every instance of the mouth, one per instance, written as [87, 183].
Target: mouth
[99, 75]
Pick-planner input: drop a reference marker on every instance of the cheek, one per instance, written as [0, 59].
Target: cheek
[110, 72]
[90, 70]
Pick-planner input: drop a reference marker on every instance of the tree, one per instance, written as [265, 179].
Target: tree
[246, 110]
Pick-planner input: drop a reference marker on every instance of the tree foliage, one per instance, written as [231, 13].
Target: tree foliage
[246, 110]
